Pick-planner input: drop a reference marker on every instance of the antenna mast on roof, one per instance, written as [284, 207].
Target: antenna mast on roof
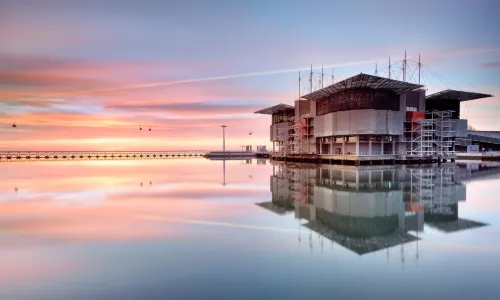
[376, 69]
[389, 67]
[333, 75]
[311, 79]
[404, 68]
[299, 84]
[419, 64]
[322, 77]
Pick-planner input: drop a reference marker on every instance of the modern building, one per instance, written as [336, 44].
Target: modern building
[370, 118]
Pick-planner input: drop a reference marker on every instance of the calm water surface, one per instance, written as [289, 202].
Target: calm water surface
[200, 229]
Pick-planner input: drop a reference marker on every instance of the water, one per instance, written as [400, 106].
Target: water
[200, 229]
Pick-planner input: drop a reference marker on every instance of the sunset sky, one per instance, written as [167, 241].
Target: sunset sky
[85, 75]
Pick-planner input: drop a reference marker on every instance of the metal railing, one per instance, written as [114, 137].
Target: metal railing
[11, 156]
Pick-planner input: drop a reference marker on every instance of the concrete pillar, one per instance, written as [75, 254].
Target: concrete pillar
[273, 146]
[343, 147]
[382, 145]
[357, 146]
[370, 145]
[393, 146]
[320, 145]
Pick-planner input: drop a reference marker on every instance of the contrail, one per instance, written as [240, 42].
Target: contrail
[167, 83]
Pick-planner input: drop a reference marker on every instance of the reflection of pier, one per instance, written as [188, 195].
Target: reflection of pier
[471, 171]
[370, 208]
[94, 155]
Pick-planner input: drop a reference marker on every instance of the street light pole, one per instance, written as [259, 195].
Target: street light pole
[224, 138]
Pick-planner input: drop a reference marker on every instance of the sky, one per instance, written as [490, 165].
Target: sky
[86, 75]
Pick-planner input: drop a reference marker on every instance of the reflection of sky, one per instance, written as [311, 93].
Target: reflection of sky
[187, 236]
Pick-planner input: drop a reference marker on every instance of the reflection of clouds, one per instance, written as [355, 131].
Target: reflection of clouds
[81, 198]
[212, 223]
[102, 201]
[20, 266]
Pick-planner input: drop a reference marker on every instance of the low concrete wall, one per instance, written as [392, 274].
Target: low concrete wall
[480, 156]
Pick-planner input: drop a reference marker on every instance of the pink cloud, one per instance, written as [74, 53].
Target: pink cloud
[490, 65]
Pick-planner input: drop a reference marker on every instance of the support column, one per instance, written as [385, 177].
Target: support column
[320, 145]
[382, 146]
[357, 146]
[393, 146]
[343, 147]
[273, 145]
[370, 145]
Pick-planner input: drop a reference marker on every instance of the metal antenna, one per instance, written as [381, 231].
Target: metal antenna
[389, 67]
[419, 64]
[311, 79]
[299, 84]
[333, 75]
[404, 68]
[376, 69]
[322, 77]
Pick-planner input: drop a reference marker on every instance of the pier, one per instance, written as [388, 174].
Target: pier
[494, 156]
[357, 160]
[18, 156]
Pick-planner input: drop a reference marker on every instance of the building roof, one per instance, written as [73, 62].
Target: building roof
[363, 81]
[362, 245]
[280, 210]
[275, 109]
[458, 225]
[456, 95]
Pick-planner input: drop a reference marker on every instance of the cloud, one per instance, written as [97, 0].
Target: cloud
[80, 74]
[490, 65]
[43, 79]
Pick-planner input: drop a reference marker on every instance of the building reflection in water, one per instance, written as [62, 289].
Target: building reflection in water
[366, 209]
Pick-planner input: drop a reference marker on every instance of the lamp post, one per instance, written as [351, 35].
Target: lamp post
[224, 138]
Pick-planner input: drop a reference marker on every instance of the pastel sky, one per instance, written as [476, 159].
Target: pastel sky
[85, 75]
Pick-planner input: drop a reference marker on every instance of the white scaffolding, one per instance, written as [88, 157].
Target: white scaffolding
[435, 189]
[444, 133]
[302, 181]
[430, 137]
[421, 185]
[419, 137]
[301, 135]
